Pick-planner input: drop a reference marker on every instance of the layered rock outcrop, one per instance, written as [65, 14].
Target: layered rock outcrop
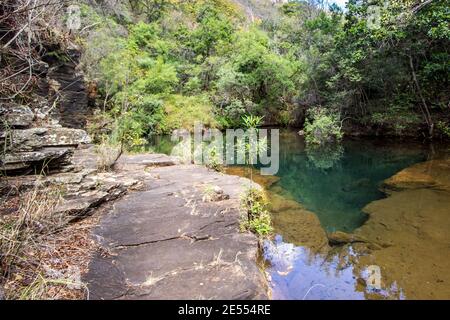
[43, 132]
[30, 147]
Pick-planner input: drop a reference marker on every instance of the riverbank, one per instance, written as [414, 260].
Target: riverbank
[148, 228]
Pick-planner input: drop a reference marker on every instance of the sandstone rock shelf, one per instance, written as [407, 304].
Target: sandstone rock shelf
[167, 241]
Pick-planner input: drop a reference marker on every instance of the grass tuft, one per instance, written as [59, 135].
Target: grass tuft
[42, 256]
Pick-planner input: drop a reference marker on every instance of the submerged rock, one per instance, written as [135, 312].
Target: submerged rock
[264, 181]
[278, 203]
[431, 174]
[413, 223]
[340, 238]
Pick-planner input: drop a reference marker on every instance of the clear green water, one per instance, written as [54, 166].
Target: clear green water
[337, 182]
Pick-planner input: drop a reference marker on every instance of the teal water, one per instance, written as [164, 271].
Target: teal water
[336, 182]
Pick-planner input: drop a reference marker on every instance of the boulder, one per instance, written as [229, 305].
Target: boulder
[36, 148]
[15, 115]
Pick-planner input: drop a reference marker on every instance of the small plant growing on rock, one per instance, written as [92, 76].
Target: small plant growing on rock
[214, 162]
[213, 193]
[254, 215]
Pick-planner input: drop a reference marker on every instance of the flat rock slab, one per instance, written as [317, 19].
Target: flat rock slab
[142, 161]
[167, 242]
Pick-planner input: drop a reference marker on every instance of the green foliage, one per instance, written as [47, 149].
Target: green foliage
[252, 122]
[183, 112]
[163, 64]
[324, 156]
[214, 30]
[231, 115]
[255, 216]
[214, 161]
[444, 128]
[255, 73]
[322, 126]
[396, 118]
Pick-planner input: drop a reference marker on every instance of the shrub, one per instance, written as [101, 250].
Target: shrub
[322, 126]
[397, 117]
[214, 161]
[183, 112]
[443, 128]
[107, 155]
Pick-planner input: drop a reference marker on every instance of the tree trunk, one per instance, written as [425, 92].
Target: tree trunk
[424, 107]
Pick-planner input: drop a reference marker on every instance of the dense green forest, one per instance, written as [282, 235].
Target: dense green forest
[371, 68]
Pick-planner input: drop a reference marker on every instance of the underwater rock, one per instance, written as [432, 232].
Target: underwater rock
[411, 225]
[281, 255]
[339, 238]
[429, 174]
[301, 228]
[253, 174]
[278, 203]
